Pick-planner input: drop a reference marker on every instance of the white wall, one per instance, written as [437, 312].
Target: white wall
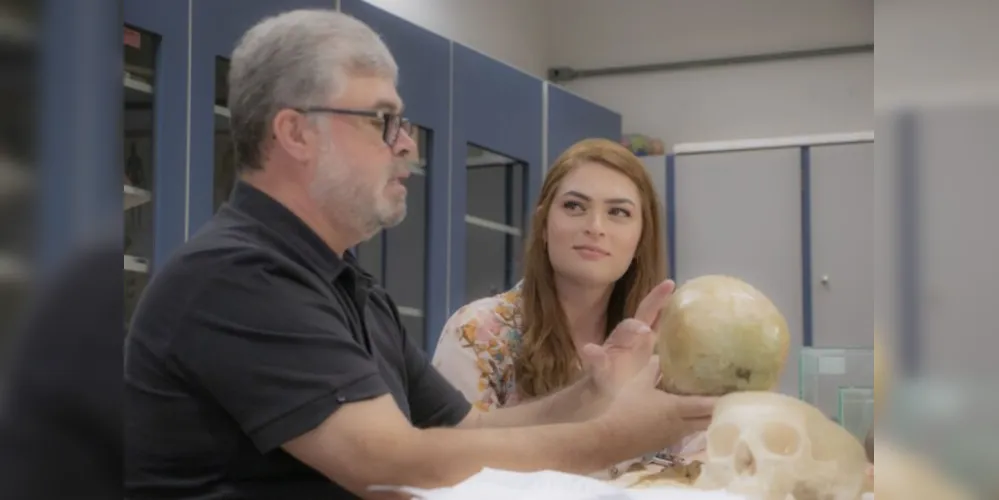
[512, 31]
[760, 100]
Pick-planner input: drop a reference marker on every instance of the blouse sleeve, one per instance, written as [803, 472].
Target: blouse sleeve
[469, 354]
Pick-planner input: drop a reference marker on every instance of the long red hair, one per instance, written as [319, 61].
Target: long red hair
[548, 359]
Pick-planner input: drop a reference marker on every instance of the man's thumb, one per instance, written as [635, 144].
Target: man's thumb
[651, 371]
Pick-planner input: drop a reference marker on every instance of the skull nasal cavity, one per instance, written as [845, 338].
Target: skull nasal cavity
[745, 462]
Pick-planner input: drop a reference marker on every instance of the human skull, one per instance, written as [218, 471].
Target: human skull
[718, 335]
[768, 446]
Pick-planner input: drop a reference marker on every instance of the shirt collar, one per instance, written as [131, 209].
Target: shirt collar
[295, 233]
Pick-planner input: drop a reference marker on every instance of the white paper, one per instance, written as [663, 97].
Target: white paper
[492, 484]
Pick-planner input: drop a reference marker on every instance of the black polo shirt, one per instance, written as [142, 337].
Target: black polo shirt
[252, 334]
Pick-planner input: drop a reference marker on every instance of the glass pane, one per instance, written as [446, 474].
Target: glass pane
[225, 160]
[856, 410]
[406, 245]
[495, 187]
[406, 265]
[823, 372]
[496, 204]
[486, 258]
[140, 57]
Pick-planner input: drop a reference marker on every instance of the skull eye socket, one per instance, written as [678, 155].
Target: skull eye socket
[722, 439]
[781, 439]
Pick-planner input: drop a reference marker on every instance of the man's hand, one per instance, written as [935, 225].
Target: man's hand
[628, 348]
[641, 413]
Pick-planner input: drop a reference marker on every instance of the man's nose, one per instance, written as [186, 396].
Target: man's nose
[405, 145]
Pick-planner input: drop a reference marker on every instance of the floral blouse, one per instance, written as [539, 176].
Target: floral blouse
[476, 352]
[477, 349]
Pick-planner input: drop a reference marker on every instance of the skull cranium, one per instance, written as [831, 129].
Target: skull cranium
[768, 446]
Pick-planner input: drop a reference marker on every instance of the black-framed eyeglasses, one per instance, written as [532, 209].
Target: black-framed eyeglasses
[392, 123]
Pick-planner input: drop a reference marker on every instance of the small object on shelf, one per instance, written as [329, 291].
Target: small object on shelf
[136, 264]
[643, 145]
[133, 167]
[135, 196]
[132, 82]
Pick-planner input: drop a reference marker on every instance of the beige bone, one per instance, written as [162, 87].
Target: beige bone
[768, 446]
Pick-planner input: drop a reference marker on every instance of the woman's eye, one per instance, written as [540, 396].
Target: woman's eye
[572, 206]
[620, 212]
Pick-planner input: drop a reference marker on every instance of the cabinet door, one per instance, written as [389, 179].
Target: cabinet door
[739, 213]
[410, 260]
[842, 246]
[572, 119]
[154, 158]
[216, 27]
[497, 146]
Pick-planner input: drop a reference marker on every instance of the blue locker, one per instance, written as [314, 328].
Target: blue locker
[424, 62]
[499, 108]
[572, 119]
[168, 20]
[216, 26]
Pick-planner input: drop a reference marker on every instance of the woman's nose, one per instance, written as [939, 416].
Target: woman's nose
[595, 226]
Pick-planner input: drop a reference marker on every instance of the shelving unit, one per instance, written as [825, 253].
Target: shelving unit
[138, 188]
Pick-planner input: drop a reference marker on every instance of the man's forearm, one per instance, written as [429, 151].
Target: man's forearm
[576, 403]
[448, 456]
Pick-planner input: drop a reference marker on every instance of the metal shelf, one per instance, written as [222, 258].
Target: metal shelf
[137, 85]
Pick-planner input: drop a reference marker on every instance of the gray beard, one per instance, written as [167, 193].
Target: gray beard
[343, 201]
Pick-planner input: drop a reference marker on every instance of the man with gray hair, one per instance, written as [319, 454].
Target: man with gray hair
[262, 362]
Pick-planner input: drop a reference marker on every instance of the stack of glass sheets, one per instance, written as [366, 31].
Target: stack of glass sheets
[839, 381]
[856, 410]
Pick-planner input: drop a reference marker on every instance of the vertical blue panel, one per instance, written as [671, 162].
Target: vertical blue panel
[424, 61]
[572, 119]
[497, 107]
[79, 148]
[671, 213]
[216, 26]
[168, 19]
[806, 246]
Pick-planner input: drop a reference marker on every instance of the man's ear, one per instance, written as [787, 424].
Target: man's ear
[292, 132]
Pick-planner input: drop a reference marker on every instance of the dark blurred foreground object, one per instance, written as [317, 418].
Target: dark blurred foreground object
[61, 414]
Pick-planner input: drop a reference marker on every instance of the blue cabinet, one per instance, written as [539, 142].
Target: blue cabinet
[410, 260]
[216, 27]
[572, 119]
[481, 130]
[497, 145]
